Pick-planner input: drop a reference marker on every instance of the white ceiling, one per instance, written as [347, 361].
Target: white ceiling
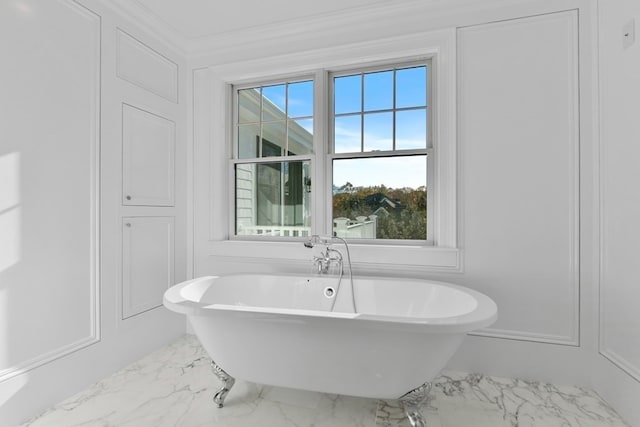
[192, 19]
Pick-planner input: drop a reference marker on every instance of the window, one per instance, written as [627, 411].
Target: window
[375, 156]
[274, 143]
[380, 150]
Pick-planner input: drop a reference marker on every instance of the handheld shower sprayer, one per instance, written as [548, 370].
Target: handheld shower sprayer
[317, 240]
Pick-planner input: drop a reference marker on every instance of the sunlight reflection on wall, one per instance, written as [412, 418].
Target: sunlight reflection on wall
[9, 210]
[24, 7]
[9, 237]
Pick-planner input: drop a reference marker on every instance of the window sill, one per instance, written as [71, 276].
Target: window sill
[365, 257]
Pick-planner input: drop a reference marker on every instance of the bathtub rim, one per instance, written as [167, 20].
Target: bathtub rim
[482, 316]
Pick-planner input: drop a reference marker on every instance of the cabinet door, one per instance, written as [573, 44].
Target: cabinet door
[148, 158]
[147, 264]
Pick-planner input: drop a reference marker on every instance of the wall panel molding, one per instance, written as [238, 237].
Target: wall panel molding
[529, 195]
[146, 68]
[621, 362]
[516, 335]
[94, 193]
[619, 204]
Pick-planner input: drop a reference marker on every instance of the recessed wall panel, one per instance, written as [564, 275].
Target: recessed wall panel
[142, 66]
[519, 162]
[49, 190]
[147, 262]
[148, 158]
[620, 200]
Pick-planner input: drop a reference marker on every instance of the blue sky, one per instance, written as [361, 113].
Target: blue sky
[411, 90]
[352, 106]
[360, 98]
[393, 172]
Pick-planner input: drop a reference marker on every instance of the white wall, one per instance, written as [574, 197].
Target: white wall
[524, 134]
[62, 212]
[617, 373]
[518, 141]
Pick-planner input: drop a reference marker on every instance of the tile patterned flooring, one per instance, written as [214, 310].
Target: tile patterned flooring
[174, 386]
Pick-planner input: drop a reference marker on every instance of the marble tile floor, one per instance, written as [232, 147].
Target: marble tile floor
[174, 386]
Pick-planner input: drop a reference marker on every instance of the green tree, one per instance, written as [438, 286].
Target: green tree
[407, 220]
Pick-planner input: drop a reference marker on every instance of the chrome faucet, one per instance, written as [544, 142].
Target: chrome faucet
[331, 256]
[326, 259]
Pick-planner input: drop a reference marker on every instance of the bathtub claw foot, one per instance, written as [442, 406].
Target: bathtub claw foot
[411, 402]
[227, 382]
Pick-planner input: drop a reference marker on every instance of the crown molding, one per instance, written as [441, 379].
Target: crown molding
[382, 19]
[378, 20]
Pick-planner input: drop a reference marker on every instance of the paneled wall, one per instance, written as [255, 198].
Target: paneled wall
[519, 140]
[94, 183]
[146, 68]
[92, 198]
[618, 360]
[49, 190]
[620, 128]
[525, 91]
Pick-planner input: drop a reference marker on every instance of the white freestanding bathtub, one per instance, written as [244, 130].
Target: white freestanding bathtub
[279, 330]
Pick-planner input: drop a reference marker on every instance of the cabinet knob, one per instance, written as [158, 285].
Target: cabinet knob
[128, 224]
[128, 197]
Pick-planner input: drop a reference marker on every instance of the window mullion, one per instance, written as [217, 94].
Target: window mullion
[320, 164]
[395, 108]
[362, 112]
[260, 138]
[286, 120]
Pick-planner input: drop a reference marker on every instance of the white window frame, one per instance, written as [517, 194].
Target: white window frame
[235, 160]
[213, 134]
[324, 116]
[428, 151]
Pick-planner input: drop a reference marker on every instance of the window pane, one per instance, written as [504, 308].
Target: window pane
[301, 99]
[273, 138]
[378, 91]
[300, 137]
[347, 134]
[248, 105]
[273, 103]
[411, 129]
[380, 197]
[348, 94]
[378, 131]
[411, 87]
[273, 199]
[248, 137]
